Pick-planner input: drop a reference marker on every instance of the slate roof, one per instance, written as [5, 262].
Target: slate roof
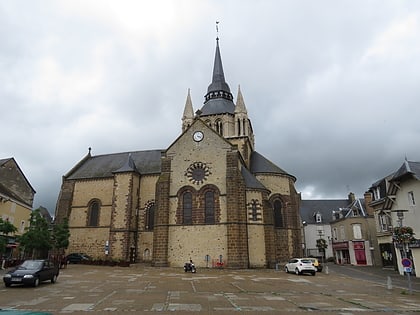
[408, 169]
[251, 181]
[218, 106]
[260, 164]
[102, 166]
[325, 207]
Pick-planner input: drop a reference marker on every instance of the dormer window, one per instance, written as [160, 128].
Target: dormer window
[318, 217]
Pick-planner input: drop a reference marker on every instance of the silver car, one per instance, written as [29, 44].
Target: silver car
[300, 265]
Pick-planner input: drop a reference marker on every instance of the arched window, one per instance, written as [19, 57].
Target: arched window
[239, 127]
[209, 207]
[219, 127]
[187, 207]
[93, 213]
[150, 217]
[278, 215]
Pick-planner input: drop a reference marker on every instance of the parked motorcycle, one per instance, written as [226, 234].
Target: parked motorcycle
[189, 266]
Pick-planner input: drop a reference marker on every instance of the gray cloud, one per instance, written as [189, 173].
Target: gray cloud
[330, 87]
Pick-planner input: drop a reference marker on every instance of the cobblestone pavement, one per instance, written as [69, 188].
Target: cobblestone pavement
[143, 289]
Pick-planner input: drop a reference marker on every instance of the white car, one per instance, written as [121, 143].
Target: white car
[300, 265]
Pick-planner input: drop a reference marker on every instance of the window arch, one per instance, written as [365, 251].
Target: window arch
[209, 207]
[150, 216]
[187, 207]
[93, 213]
[278, 213]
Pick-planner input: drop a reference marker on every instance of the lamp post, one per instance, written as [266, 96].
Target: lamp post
[402, 238]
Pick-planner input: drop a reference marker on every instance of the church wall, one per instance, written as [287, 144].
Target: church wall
[195, 242]
[86, 190]
[90, 240]
[145, 238]
[256, 232]
[276, 183]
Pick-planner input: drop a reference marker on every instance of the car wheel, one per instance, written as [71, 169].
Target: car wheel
[36, 282]
[54, 279]
[286, 269]
[297, 271]
[313, 273]
[7, 284]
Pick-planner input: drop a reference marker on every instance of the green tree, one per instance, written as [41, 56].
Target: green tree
[6, 228]
[60, 241]
[36, 241]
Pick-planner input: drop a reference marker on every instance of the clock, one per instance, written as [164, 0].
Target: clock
[198, 136]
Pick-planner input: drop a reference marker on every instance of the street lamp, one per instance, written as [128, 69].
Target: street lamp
[402, 239]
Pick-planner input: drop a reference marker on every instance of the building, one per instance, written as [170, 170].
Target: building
[16, 198]
[209, 196]
[395, 200]
[383, 221]
[353, 237]
[316, 219]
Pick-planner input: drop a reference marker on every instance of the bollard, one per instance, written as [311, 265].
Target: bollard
[277, 266]
[389, 283]
[326, 270]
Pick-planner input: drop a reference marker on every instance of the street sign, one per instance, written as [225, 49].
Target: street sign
[407, 269]
[406, 262]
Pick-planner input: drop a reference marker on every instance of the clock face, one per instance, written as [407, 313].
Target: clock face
[198, 136]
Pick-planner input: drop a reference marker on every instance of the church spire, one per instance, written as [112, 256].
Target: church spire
[218, 88]
[188, 116]
[240, 104]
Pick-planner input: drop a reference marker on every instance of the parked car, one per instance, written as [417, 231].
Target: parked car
[316, 263]
[300, 265]
[75, 258]
[32, 272]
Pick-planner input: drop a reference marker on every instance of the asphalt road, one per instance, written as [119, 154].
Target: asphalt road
[139, 289]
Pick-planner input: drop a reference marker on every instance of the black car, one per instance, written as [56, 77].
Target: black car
[75, 258]
[32, 272]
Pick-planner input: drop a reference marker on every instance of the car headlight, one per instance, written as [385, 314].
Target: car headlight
[7, 276]
[28, 276]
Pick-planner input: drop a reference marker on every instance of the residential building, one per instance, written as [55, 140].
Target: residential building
[383, 221]
[402, 205]
[16, 198]
[316, 218]
[353, 237]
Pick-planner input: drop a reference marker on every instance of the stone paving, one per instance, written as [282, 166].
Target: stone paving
[142, 289]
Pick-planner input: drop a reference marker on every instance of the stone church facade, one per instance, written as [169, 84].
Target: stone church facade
[209, 196]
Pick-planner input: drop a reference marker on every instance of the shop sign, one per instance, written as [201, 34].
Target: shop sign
[359, 245]
[340, 245]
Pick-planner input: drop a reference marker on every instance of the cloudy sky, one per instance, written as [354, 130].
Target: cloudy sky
[331, 87]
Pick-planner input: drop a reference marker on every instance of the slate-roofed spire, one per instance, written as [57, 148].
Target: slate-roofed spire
[218, 88]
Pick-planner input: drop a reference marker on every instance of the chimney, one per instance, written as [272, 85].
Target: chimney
[368, 199]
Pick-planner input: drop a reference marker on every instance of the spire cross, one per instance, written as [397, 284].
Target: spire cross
[217, 30]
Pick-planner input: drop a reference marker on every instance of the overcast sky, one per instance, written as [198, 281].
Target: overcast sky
[331, 87]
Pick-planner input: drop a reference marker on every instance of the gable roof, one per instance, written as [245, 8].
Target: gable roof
[102, 166]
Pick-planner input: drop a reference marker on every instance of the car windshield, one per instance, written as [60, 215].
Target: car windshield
[31, 264]
[306, 261]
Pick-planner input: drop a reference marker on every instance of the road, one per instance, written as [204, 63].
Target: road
[142, 289]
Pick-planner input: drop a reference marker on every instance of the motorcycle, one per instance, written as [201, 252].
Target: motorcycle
[189, 266]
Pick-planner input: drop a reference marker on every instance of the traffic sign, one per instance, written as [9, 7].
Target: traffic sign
[406, 262]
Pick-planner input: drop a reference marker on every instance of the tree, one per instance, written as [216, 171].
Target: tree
[6, 228]
[321, 244]
[36, 241]
[60, 240]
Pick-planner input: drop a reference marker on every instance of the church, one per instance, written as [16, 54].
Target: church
[209, 196]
